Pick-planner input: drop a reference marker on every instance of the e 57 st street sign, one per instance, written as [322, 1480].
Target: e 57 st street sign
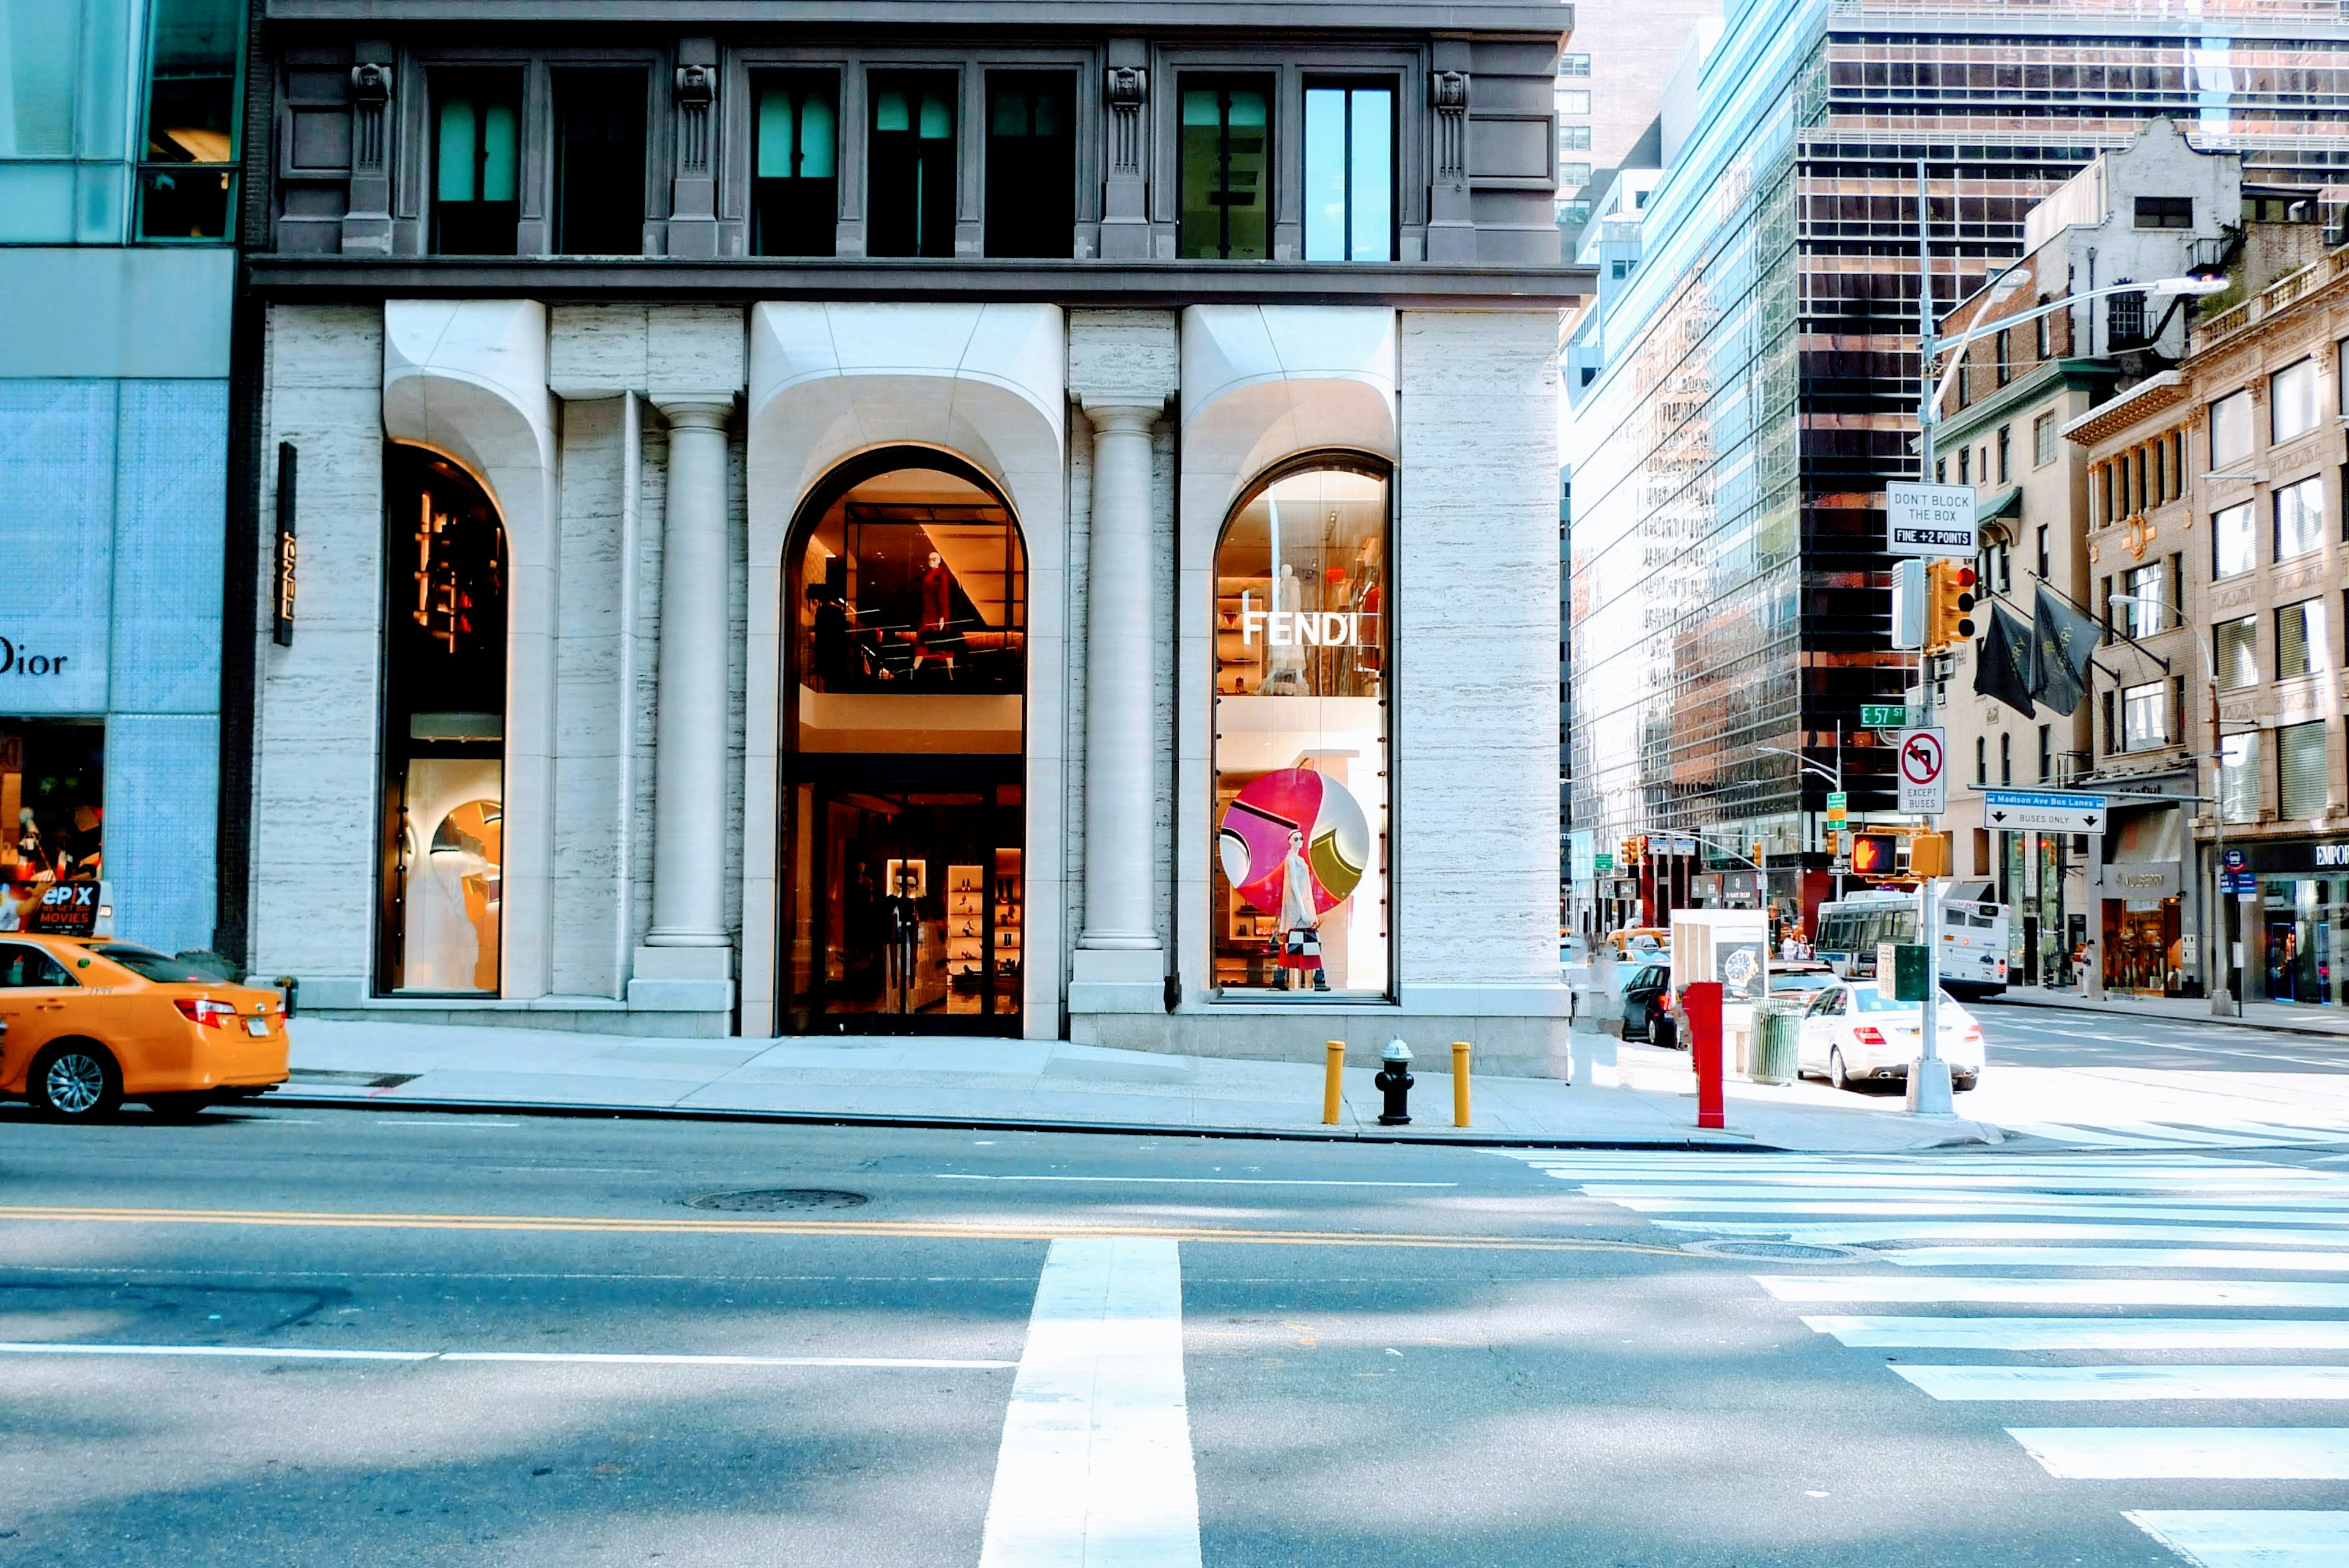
[2043, 811]
[1931, 520]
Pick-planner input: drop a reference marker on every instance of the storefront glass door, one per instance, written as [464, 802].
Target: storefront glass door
[2300, 915]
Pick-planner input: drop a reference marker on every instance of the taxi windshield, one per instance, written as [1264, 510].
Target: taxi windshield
[148, 964]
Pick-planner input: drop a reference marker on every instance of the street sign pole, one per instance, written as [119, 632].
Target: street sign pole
[1928, 1078]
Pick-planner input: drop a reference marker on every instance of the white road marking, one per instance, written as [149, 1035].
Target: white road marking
[2100, 1383]
[2088, 1333]
[2020, 1230]
[1095, 1468]
[1998, 1206]
[2249, 1538]
[580, 1358]
[1207, 1181]
[2189, 1453]
[2119, 1258]
[2059, 1292]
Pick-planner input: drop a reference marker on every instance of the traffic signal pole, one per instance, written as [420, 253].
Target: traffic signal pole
[1930, 1092]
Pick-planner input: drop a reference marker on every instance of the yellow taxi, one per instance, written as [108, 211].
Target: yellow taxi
[88, 1022]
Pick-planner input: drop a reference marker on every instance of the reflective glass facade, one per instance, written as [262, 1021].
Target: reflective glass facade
[1731, 589]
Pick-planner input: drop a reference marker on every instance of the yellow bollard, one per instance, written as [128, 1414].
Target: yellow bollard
[1460, 1083]
[1332, 1082]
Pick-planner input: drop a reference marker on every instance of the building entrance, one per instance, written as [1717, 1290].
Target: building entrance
[906, 684]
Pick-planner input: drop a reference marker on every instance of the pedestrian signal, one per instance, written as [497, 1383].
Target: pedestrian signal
[1874, 853]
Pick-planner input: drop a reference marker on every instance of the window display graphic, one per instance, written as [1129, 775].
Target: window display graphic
[1294, 846]
[1301, 735]
[52, 811]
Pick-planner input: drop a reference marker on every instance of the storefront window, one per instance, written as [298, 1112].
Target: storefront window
[52, 810]
[1299, 878]
[905, 681]
[444, 730]
[2300, 919]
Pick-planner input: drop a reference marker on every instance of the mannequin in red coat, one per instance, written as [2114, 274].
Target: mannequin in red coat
[932, 637]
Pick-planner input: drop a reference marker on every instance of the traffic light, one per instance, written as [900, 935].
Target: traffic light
[1929, 854]
[1761, 853]
[1874, 853]
[1950, 603]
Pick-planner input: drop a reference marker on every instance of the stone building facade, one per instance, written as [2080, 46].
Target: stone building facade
[1036, 523]
[2226, 474]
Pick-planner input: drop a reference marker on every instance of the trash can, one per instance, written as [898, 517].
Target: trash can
[1778, 1027]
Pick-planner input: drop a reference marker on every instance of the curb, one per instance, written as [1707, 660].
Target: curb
[2106, 1010]
[997, 1124]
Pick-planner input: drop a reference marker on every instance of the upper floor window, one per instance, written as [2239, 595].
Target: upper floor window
[2299, 641]
[2299, 518]
[2125, 320]
[2234, 541]
[2005, 452]
[1573, 176]
[2144, 714]
[2237, 661]
[189, 173]
[1226, 153]
[2148, 591]
[2042, 441]
[1574, 64]
[910, 204]
[2292, 401]
[1031, 165]
[476, 161]
[599, 170]
[1574, 101]
[2231, 429]
[1574, 139]
[795, 169]
[2165, 211]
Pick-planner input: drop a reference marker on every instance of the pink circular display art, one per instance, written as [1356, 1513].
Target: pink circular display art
[1254, 839]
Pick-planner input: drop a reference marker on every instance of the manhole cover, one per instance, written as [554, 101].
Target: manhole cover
[1777, 1252]
[772, 1199]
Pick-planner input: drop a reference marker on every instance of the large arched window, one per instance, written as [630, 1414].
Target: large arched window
[904, 721]
[444, 714]
[1299, 879]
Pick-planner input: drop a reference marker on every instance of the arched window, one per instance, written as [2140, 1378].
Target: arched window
[904, 679]
[1302, 616]
[444, 713]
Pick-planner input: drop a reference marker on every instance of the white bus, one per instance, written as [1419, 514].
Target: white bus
[1974, 935]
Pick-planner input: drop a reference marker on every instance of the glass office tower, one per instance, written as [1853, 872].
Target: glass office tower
[1729, 461]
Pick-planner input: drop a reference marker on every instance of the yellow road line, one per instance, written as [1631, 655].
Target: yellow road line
[931, 1230]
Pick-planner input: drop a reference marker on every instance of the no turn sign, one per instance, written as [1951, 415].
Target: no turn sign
[1924, 781]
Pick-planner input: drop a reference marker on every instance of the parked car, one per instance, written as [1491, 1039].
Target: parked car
[1799, 978]
[85, 1024]
[1852, 1033]
[1647, 1000]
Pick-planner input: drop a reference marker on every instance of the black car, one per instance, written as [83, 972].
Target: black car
[1643, 996]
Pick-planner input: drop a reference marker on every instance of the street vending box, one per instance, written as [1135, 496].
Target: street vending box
[1732, 946]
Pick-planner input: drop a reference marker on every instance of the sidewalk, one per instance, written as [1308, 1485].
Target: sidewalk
[2291, 1018]
[1052, 1085]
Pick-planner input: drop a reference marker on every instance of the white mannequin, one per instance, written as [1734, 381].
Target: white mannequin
[1285, 661]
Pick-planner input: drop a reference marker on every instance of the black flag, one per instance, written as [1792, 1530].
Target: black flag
[2062, 640]
[2006, 665]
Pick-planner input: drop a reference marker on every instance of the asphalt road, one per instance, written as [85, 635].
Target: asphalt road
[2065, 1037]
[1508, 1371]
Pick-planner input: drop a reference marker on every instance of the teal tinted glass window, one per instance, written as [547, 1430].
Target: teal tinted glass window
[476, 118]
[1226, 153]
[188, 180]
[910, 205]
[1350, 173]
[795, 176]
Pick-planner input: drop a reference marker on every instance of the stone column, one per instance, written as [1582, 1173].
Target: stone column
[686, 963]
[1119, 966]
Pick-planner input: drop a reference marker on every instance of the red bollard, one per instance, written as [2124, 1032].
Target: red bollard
[1700, 1001]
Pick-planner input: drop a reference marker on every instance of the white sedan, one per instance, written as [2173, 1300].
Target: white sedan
[1851, 1032]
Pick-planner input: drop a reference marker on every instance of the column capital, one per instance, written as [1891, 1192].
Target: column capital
[696, 410]
[1107, 417]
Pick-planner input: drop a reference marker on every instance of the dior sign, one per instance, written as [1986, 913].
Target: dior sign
[17, 659]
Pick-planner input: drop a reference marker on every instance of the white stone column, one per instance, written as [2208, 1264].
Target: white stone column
[686, 963]
[1118, 965]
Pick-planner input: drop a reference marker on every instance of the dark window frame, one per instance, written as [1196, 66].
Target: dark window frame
[1224, 83]
[559, 218]
[1006, 201]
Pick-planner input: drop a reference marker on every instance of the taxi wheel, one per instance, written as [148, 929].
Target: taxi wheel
[75, 1081]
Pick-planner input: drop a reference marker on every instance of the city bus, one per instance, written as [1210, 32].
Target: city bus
[1974, 935]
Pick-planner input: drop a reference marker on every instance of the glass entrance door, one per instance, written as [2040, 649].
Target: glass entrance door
[905, 714]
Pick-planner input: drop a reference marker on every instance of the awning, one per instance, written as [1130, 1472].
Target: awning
[2006, 502]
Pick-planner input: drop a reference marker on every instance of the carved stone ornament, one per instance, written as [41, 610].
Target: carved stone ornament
[1448, 90]
[1127, 86]
[370, 83]
[696, 86]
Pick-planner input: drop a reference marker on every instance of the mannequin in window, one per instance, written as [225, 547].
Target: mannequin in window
[1300, 919]
[1285, 657]
[934, 634]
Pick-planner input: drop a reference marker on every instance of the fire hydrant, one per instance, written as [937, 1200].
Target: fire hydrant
[1395, 1081]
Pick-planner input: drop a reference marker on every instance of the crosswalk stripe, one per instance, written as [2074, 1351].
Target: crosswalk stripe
[2002, 1208]
[2249, 1537]
[2189, 1453]
[1947, 1332]
[2058, 1293]
[1096, 1464]
[2007, 1231]
[2061, 1132]
[2101, 1383]
[2212, 1258]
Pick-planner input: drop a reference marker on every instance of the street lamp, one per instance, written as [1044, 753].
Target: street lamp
[1834, 778]
[2222, 1002]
